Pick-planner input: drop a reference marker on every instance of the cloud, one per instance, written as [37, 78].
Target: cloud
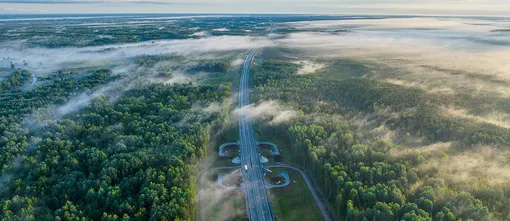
[460, 54]
[74, 104]
[111, 91]
[481, 165]
[461, 24]
[432, 150]
[308, 67]
[421, 6]
[120, 63]
[201, 34]
[47, 115]
[495, 117]
[221, 29]
[179, 77]
[46, 60]
[237, 62]
[213, 107]
[484, 164]
[272, 111]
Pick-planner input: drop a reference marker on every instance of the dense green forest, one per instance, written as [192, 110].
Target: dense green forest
[15, 80]
[417, 111]
[82, 32]
[211, 65]
[119, 30]
[134, 158]
[16, 104]
[358, 173]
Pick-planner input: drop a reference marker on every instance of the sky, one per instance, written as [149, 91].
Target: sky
[409, 7]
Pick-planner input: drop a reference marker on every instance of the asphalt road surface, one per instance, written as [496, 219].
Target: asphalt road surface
[258, 204]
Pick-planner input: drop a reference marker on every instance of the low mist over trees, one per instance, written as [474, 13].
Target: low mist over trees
[131, 159]
[16, 105]
[17, 79]
[359, 174]
[212, 65]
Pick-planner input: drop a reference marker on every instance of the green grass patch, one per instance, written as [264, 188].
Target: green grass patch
[293, 202]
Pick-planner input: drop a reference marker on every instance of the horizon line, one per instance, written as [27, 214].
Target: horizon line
[262, 13]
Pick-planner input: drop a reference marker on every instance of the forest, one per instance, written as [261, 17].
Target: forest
[359, 173]
[16, 79]
[209, 65]
[132, 159]
[118, 30]
[417, 111]
[17, 104]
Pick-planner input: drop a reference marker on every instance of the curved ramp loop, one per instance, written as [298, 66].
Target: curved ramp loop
[274, 152]
[285, 175]
[223, 152]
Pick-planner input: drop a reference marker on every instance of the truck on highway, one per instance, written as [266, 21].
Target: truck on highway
[245, 167]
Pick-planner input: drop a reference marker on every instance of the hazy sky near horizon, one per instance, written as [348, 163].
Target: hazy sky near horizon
[432, 7]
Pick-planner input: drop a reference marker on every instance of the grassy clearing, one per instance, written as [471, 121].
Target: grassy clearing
[293, 202]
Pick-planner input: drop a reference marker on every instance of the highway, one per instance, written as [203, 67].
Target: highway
[320, 201]
[258, 205]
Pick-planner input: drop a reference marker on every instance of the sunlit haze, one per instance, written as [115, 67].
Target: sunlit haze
[429, 7]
